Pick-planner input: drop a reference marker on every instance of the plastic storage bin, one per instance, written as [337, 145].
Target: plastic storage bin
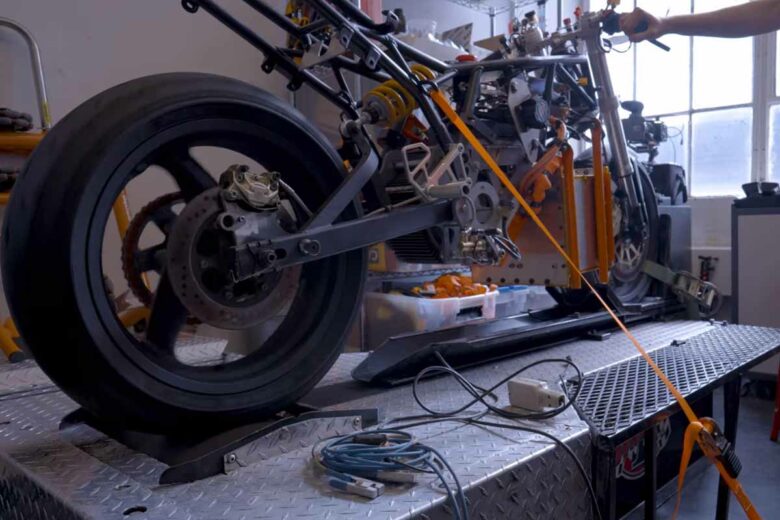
[389, 315]
[512, 301]
[539, 299]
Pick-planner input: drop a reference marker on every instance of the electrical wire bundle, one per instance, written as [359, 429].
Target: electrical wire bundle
[360, 462]
[480, 396]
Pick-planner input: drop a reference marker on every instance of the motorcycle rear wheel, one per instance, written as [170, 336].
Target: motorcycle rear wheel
[53, 253]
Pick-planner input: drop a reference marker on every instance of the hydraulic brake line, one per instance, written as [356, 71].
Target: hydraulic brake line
[697, 429]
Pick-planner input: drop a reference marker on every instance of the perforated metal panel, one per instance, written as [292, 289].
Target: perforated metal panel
[621, 395]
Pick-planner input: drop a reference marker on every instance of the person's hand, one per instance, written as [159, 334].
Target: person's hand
[640, 25]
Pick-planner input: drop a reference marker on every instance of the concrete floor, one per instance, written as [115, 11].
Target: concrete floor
[761, 468]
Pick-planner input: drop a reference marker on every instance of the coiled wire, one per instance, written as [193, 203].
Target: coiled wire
[389, 455]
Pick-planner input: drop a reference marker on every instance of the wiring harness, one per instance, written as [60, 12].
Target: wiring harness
[359, 463]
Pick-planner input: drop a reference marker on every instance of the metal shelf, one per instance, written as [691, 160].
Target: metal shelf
[493, 7]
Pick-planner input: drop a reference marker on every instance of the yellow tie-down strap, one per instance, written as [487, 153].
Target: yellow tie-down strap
[692, 432]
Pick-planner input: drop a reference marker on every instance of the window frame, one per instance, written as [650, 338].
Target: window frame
[765, 97]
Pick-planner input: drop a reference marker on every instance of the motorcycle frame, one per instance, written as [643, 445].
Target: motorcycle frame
[361, 36]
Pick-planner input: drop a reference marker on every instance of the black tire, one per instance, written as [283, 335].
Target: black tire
[629, 291]
[52, 270]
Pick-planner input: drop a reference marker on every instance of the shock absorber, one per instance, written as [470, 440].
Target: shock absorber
[390, 104]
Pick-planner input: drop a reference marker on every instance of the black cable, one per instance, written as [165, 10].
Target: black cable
[478, 422]
[559, 442]
[479, 395]
[615, 49]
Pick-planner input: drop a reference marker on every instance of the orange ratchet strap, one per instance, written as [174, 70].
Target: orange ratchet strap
[696, 427]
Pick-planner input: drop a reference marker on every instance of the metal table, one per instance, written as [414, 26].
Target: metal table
[79, 473]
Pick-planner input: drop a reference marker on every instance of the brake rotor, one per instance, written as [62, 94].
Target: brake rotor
[195, 247]
[630, 256]
[137, 262]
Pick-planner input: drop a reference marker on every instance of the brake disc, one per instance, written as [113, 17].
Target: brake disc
[195, 264]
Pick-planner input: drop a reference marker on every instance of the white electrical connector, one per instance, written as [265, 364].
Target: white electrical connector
[534, 395]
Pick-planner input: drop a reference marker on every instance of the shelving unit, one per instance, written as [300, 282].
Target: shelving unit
[494, 8]
[491, 7]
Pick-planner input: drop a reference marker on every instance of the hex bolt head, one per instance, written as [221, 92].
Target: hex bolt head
[309, 247]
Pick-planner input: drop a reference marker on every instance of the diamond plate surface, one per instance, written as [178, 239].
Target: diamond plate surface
[22, 498]
[22, 377]
[507, 474]
[616, 397]
[589, 355]
[342, 370]
[289, 438]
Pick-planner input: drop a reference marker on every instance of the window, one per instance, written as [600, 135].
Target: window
[721, 151]
[773, 166]
[703, 89]
[774, 149]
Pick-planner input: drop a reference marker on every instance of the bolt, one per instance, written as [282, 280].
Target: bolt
[356, 422]
[240, 177]
[309, 247]
[204, 264]
[241, 220]
[232, 458]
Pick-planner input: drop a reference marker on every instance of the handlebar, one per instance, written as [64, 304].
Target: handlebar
[611, 26]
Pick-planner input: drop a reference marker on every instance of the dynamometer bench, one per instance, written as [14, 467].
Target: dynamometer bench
[78, 472]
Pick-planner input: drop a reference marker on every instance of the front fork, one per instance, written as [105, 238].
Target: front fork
[623, 172]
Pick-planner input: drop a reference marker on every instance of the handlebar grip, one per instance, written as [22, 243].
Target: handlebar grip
[643, 26]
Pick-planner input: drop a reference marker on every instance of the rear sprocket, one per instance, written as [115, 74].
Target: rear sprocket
[137, 263]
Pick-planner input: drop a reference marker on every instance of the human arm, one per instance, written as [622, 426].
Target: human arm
[750, 19]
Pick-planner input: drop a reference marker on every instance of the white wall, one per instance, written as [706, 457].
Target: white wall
[90, 45]
[711, 235]
[448, 15]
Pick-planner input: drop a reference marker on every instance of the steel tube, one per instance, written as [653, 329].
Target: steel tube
[608, 106]
[37, 69]
[526, 63]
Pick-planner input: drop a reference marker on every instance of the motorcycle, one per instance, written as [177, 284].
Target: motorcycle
[269, 229]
